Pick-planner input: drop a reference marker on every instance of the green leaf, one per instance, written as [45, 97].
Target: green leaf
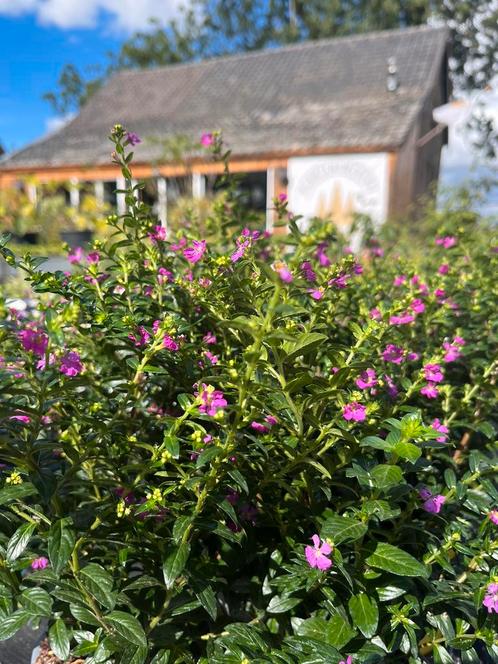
[306, 342]
[127, 628]
[59, 639]
[60, 545]
[12, 624]
[134, 655]
[385, 476]
[37, 602]
[16, 492]
[174, 563]
[407, 451]
[376, 442]
[365, 614]
[394, 560]
[171, 444]
[207, 598]
[99, 584]
[282, 604]
[336, 632]
[82, 614]
[19, 541]
[342, 529]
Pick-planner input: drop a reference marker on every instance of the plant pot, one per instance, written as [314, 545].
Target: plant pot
[43, 655]
[76, 238]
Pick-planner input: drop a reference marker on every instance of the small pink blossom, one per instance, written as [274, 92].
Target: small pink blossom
[93, 257]
[367, 379]
[39, 563]
[71, 364]
[490, 600]
[75, 256]
[447, 241]
[493, 517]
[316, 555]
[308, 273]
[432, 504]
[375, 314]
[34, 341]
[284, 273]
[316, 293]
[354, 411]
[259, 428]
[207, 139]
[133, 138]
[340, 282]
[321, 256]
[158, 234]
[393, 354]
[142, 339]
[170, 344]
[164, 276]
[430, 391]
[399, 280]
[211, 357]
[212, 400]
[433, 373]
[440, 428]
[282, 197]
[348, 660]
[444, 268]
[209, 338]
[119, 289]
[417, 306]
[194, 253]
[403, 319]
[25, 419]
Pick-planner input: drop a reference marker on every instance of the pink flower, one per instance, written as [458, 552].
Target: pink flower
[271, 420]
[441, 428]
[392, 390]
[164, 276]
[493, 517]
[308, 273]
[170, 344]
[158, 233]
[132, 138]
[316, 555]
[354, 411]
[490, 601]
[404, 319]
[316, 293]
[393, 354]
[71, 364]
[35, 341]
[432, 504]
[341, 281]
[430, 391]
[348, 660]
[433, 373]
[240, 251]
[399, 280]
[452, 352]
[207, 139]
[284, 273]
[375, 314]
[76, 256]
[212, 400]
[25, 419]
[93, 257]
[179, 245]
[212, 358]
[39, 563]
[322, 257]
[417, 306]
[119, 289]
[282, 197]
[259, 428]
[142, 339]
[209, 338]
[194, 253]
[447, 241]
[366, 379]
[444, 268]
[42, 362]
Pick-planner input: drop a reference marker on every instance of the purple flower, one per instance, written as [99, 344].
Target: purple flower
[399, 280]
[493, 517]
[432, 504]
[316, 555]
[490, 601]
[341, 281]
[93, 257]
[71, 364]
[447, 241]
[308, 273]
[132, 138]
[158, 233]
[39, 563]
[212, 400]
[284, 273]
[404, 319]
[207, 139]
[35, 341]
[433, 373]
[194, 253]
[348, 660]
[322, 257]
[440, 428]
[354, 411]
[417, 306]
[211, 357]
[375, 314]
[366, 379]
[25, 419]
[444, 268]
[430, 391]
[170, 344]
[393, 354]
[76, 256]
[316, 293]
[142, 339]
[259, 428]
[209, 338]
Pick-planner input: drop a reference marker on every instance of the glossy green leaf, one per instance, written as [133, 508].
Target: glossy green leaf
[396, 561]
[365, 614]
[174, 563]
[19, 541]
[59, 639]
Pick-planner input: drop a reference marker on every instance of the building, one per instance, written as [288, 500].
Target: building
[341, 125]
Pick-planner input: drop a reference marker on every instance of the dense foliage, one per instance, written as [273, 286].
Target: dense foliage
[259, 449]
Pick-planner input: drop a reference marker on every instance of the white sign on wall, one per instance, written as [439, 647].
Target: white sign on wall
[336, 186]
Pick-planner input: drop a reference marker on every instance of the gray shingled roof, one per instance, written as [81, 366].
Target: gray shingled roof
[314, 95]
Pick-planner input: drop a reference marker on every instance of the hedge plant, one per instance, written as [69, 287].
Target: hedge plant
[253, 449]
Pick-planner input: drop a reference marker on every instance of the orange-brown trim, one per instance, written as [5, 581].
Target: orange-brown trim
[392, 161]
[238, 164]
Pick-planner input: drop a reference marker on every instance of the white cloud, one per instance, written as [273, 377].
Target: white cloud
[121, 15]
[57, 122]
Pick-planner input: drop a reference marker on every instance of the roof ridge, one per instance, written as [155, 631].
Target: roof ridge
[273, 50]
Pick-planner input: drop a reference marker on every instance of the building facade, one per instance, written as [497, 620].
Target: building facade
[341, 125]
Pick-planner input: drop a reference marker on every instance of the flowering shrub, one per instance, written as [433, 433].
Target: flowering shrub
[259, 450]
